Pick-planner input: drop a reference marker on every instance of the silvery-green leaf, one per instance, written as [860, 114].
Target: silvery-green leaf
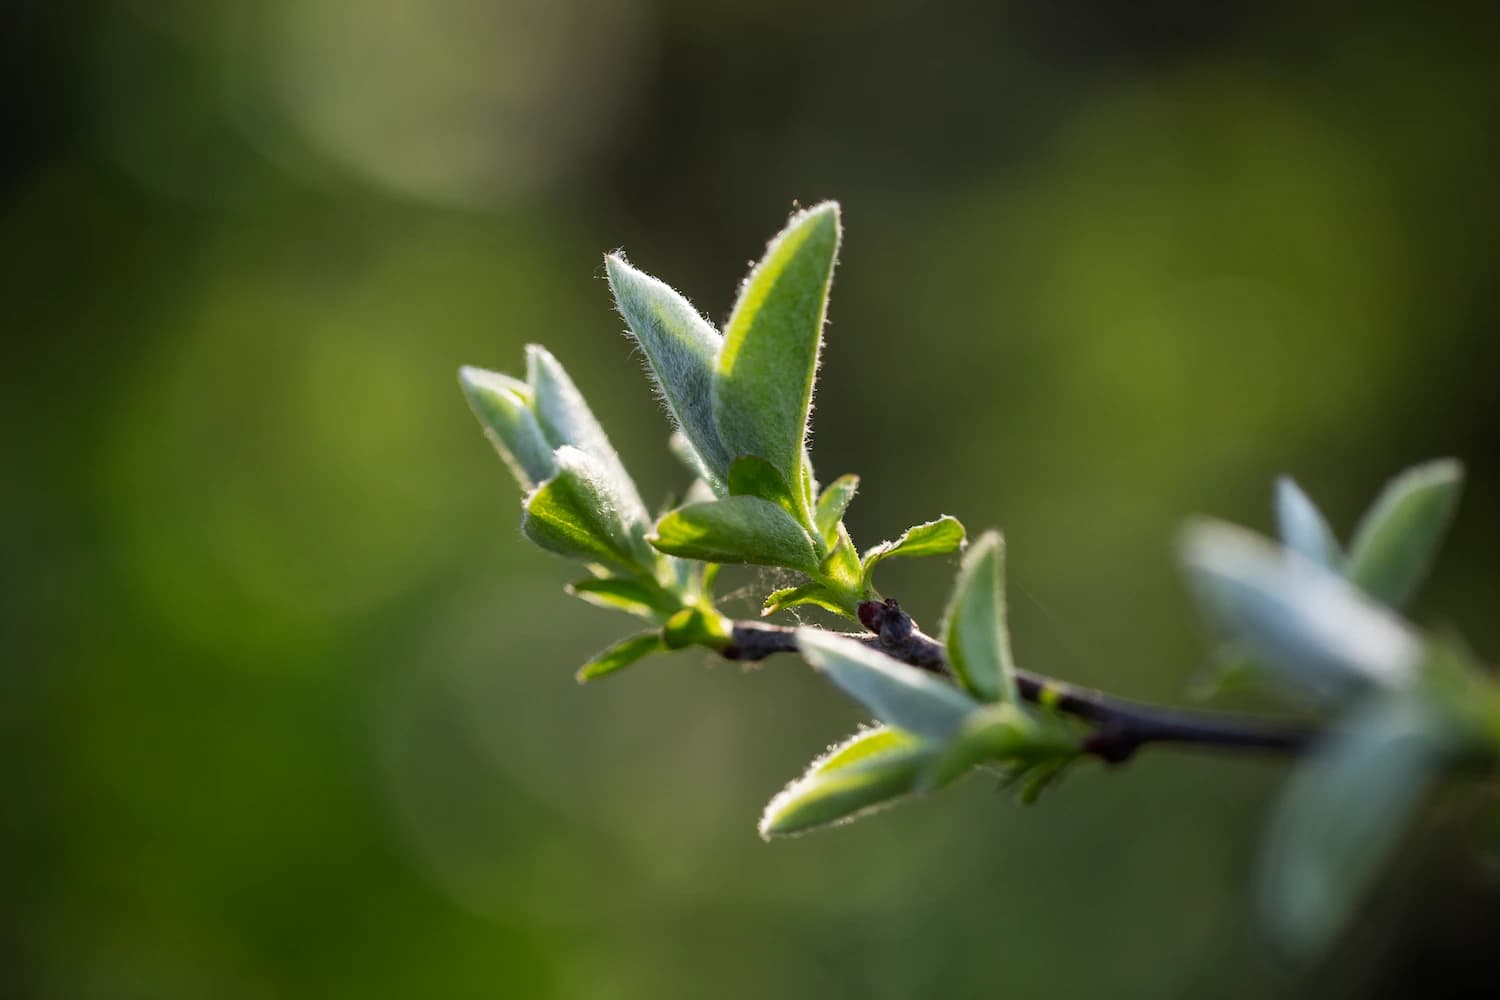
[809, 593]
[751, 475]
[621, 655]
[831, 506]
[895, 693]
[1303, 528]
[566, 419]
[1397, 540]
[633, 597]
[1294, 616]
[935, 538]
[974, 629]
[736, 530]
[681, 348]
[502, 405]
[578, 513]
[875, 768]
[1341, 814]
[762, 390]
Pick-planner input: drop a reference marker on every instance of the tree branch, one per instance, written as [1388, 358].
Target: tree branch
[1122, 726]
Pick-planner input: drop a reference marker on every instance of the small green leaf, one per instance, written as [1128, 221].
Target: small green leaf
[736, 530]
[502, 405]
[935, 538]
[762, 390]
[621, 655]
[753, 476]
[831, 506]
[895, 693]
[1342, 813]
[576, 514]
[808, 593]
[681, 348]
[696, 627]
[974, 628]
[1294, 616]
[1303, 528]
[841, 566]
[566, 419]
[866, 743]
[1397, 540]
[873, 770]
[630, 596]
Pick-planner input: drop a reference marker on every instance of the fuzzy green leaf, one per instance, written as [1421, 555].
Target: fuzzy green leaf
[1396, 542]
[895, 693]
[566, 419]
[681, 348]
[1294, 616]
[736, 530]
[753, 476]
[577, 513]
[935, 538]
[630, 596]
[1004, 732]
[1342, 813]
[831, 506]
[762, 390]
[502, 405]
[808, 593]
[974, 628]
[1303, 528]
[873, 769]
[621, 655]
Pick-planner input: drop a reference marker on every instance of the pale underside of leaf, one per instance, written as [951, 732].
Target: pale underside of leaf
[895, 693]
[681, 349]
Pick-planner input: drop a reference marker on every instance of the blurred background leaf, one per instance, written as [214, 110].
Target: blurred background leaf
[288, 707]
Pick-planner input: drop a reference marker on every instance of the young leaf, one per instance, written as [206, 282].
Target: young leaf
[895, 693]
[935, 538]
[1303, 528]
[682, 348]
[630, 596]
[1295, 616]
[808, 593]
[831, 506]
[576, 513]
[696, 627]
[566, 419]
[1398, 538]
[874, 769]
[621, 655]
[1001, 733]
[502, 405]
[974, 629]
[736, 530]
[753, 476]
[762, 390]
[1341, 814]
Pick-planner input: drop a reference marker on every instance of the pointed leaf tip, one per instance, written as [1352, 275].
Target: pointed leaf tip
[762, 390]
[872, 770]
[502, 406]
[681, 349]
[1303, 528]
[1397, 541]
[974, 629]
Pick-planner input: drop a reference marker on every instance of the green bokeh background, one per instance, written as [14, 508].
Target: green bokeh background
[287, 707]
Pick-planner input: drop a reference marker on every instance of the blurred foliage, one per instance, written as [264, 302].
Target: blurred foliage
[280, 715]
